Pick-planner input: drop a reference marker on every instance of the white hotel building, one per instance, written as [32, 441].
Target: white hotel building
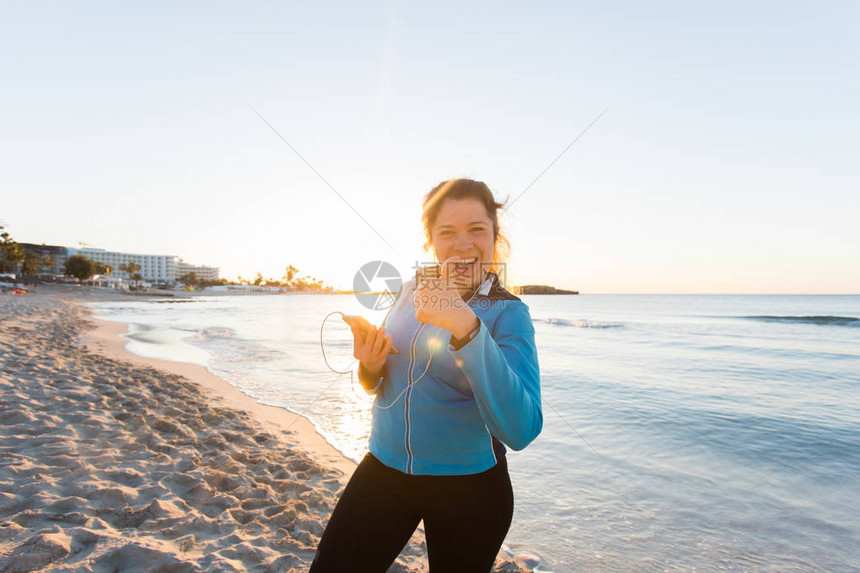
[153, 268]
[202, 272]
[156, 269]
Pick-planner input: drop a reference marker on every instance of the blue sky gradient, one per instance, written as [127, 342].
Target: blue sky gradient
[726, 162]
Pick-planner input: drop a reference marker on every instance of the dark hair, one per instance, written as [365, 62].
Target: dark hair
[465, 189]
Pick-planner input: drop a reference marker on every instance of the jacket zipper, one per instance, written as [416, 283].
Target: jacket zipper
[409, 457]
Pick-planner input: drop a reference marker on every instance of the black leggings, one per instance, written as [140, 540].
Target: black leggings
[465, 518]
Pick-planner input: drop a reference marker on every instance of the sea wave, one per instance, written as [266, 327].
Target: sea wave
[849, 321]
[227, 346]
[578, 323]
[217, 332]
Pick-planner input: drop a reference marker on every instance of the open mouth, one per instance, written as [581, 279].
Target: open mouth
[465, 266]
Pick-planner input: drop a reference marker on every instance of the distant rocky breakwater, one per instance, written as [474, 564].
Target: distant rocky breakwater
[540, 289]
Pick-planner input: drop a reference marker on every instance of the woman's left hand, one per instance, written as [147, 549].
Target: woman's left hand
[438, 302]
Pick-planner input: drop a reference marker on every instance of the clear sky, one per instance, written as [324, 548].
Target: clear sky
[727, 161]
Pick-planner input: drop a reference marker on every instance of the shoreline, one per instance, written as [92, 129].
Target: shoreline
[114, 461]
[106, 338]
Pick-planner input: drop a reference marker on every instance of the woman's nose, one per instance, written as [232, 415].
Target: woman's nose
[464, 242]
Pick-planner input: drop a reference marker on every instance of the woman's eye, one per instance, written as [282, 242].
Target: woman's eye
[477, 229]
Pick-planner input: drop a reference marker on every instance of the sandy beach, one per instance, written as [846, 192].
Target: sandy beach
[115, 462]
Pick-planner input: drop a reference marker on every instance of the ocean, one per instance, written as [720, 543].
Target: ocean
[681, 432]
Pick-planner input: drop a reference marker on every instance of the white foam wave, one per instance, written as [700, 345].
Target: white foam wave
[578, 323]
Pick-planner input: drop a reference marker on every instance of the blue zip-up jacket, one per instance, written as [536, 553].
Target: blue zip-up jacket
[451, 420]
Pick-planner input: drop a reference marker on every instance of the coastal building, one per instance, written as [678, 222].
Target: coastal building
[156, 269]
[201, 272]
[55, 253]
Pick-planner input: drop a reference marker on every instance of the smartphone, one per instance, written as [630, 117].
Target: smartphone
[363, 325]
[431, 272]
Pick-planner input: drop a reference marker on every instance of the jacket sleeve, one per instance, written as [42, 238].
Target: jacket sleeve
[504, 375]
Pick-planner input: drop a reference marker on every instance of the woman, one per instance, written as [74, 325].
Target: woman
[464, 382]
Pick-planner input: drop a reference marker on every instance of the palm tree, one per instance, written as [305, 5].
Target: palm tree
[30, 268]
[10, 250]
[48, 263]
[131, 269]
[290, 274]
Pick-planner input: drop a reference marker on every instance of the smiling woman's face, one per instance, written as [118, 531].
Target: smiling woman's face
[464, 229]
